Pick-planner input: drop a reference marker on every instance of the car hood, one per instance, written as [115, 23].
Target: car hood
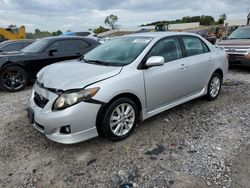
[74, 74]
[235, 42]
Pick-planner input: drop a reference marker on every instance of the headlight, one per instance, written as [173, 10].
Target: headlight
[71, 98]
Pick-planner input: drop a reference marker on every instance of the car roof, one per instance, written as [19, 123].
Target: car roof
[89, 40]
[161, 34]
[63, 37]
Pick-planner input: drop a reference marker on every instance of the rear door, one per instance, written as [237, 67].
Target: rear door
[199, 63]
[168, 83]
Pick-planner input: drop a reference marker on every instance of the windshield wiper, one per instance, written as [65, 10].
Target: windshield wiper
[98, 62]
[95, 61]
[82, 59]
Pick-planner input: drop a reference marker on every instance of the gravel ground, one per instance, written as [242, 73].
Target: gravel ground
[196, 145]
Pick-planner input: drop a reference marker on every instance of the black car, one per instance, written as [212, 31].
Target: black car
[14, 45]
[205, 34]
[17, 69]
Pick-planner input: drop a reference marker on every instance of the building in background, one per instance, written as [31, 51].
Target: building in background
[235, 22]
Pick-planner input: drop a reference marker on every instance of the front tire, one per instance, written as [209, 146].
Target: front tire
[214, 86]
[120, 119]
[13, 78]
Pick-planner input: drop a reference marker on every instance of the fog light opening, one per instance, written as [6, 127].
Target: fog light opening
[65, 130]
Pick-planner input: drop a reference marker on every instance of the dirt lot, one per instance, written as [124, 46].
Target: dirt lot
[196, 145]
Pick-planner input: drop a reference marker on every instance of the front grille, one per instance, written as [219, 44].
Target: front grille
[40, 101]
[237, 50]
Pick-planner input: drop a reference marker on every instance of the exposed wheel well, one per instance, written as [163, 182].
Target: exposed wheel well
[220, 72]
[104, 107]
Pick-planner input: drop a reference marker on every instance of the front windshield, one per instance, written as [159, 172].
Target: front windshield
[36, 46]
[241, 33]
[119, 51]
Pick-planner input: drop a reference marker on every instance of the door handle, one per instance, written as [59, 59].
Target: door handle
[78, 53]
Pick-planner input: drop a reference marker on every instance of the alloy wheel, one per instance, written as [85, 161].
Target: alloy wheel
[215, 86]
[122, 119]
[13, 79]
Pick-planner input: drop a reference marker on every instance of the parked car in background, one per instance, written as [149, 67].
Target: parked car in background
[14, 45]
[205, 34]
[123, 81]
[88, 34]
[104, 39]
[237, 45]
[17, 69]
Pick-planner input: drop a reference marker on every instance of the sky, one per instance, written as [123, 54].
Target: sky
[80, 15]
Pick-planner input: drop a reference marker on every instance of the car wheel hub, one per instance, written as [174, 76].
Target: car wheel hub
[13, 80]
[122, 119]
[215, 86]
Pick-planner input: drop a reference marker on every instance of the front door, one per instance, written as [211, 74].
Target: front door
[168, 83]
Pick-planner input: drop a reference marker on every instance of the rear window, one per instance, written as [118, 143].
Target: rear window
[11, 47]
[69, 45]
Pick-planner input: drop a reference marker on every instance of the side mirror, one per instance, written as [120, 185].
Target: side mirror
[224, 38]
[155, 61]
[51, 51]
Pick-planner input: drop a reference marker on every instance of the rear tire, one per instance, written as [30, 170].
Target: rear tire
[13, 78]
[214, 86]
[120, 119]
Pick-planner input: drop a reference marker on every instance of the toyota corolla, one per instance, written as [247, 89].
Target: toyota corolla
[122, 82]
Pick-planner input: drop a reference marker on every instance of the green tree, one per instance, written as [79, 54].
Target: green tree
[100, 29]
[204, 20]
[222, 18]
[41, 34]
[111, 21]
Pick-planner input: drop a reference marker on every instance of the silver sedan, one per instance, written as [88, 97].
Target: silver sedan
[124, 81]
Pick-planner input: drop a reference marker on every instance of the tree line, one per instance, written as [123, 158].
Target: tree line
[41, 34]
[204, 20]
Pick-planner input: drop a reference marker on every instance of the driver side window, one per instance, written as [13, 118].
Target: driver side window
[168, 48]
[54, 46]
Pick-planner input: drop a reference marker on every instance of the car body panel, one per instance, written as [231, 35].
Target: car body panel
[81, 129]
[157, 88]
[83, 75]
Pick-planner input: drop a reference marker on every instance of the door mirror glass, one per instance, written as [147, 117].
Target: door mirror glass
[155, 61]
